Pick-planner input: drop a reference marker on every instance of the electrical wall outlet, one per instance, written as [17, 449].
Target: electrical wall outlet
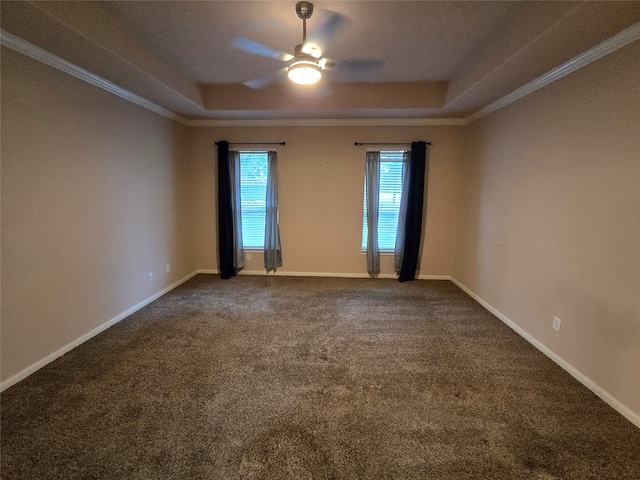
[556, 324]
[151, 276]
[248, 256]
[168, 268]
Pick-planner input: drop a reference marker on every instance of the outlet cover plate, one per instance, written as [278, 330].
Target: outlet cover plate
[556, 324]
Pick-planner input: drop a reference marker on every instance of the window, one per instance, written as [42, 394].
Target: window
[390, 194]
[253, 193]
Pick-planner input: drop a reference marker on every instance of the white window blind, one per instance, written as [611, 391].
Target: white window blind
[253, 194]
[390, 193]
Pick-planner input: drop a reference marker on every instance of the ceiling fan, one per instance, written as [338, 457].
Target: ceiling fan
[305, 66]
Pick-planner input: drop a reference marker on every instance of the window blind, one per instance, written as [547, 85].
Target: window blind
[390, 194]
[253, 193]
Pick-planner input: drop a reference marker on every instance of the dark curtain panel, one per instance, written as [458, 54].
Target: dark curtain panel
[413, 223]
[225, 213]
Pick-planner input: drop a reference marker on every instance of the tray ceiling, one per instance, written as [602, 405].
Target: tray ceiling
[444, 59]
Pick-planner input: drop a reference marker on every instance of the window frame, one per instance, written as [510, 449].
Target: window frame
[399, 154]
[265, 153]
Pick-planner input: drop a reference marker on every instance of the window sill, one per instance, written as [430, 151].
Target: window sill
[383, 253]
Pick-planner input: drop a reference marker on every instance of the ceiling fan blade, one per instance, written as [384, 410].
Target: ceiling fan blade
[255, 48]
[260, 83]
[326, 29]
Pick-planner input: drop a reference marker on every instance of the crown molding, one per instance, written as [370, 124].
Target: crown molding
[327, 122]
[30, 50]
[33, 51]
[610, 45]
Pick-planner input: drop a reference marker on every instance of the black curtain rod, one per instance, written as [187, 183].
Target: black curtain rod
[256, 143]
[357, 144]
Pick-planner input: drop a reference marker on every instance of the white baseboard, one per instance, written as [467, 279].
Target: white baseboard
[284, 273]
[434, 277]
[587, 382]
[574, 372]
[281, 273]
[70, 346]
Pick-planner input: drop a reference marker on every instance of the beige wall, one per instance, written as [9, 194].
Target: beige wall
[95, 194]
[541, 201]
[321, 182]
[550, 219]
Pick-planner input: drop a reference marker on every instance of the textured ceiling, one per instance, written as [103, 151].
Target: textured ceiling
[400, 33]
[432, 59]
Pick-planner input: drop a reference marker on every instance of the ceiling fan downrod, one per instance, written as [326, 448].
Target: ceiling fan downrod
[304, 11]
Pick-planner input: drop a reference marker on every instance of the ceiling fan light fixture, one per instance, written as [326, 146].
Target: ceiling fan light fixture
[304, 72]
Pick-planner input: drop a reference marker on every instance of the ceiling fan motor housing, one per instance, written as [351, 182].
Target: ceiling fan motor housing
[304, 9]
[300, 55]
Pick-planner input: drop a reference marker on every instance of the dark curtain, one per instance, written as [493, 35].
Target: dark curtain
[415, 200]
[225, 214]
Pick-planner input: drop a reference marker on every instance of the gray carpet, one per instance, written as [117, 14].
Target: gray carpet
[311, 378]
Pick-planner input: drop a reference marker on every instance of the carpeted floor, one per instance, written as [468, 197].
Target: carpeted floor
[311, 378]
